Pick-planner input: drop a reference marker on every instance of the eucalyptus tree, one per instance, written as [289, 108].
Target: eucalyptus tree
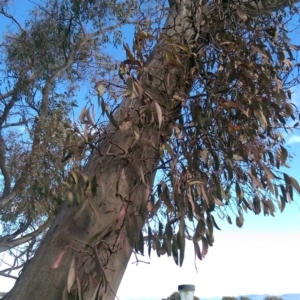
[206, 98]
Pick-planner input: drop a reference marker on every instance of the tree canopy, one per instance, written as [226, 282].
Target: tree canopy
[201, 101]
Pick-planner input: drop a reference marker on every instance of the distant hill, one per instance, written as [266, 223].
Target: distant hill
[261, 297]
[252, 297]
[284, 297]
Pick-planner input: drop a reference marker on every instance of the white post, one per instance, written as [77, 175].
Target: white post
[186, 291]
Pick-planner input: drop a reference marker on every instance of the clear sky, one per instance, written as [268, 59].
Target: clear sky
[261, 258]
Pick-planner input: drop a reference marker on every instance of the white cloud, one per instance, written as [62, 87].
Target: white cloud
[294, 139]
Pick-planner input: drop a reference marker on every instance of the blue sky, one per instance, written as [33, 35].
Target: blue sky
[261, 258]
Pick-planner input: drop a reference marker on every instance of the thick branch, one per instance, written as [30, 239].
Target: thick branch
[21, 182]
[4, 246]
[19, 231]
[5, 173]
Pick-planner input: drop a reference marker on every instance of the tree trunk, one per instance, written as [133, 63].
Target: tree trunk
[124, 166]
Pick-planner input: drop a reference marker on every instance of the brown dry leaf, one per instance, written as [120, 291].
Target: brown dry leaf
[229, 104]
[204, 246]
[204, 195]
[295, 184]
[197, 251]
[138, 89]
[59, 258]
[241, 14]
[125, 125]
[100, 89]
[190, 198]
[98, 265]
[124, 178]
[93, 281]
[218, 202]
[268, 172]
[71, 274]
[289, 109]
[78, 288]
[65, 294]
[159, 113]
[284, 155]
[121, 217]
[155, 208]
[94, 208]
[142, 175]
[82, 115]
[240, 221]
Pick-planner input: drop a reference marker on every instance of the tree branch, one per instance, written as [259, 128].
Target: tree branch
[5, 173]
[17, 232]
[9, 16]
[26, 238]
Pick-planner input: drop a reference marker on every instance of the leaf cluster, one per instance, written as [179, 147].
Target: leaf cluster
[227, 151]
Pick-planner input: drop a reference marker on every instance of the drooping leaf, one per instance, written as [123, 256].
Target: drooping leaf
[197, 250]
[98, 265]
[199, 231]
[58, 260]
[181, 241]
[241, 14]
[71, 273]
[100, 89]
[94, 185]
[284, 155]
[159, 113]
[204, 247]
[175, 249]
[295, 184]
[214, 222]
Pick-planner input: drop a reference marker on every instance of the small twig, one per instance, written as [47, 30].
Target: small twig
[138, 261]
[4, 13]
[109, 248]
[104, 275]
[81, 251]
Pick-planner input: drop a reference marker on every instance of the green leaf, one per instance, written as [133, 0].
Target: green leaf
[94, 186]
[160, 230]
[70, 197]
[86, 180]
[175, 249]
[216, 161]
[141, 243]
[181, 240]
[112, 119]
